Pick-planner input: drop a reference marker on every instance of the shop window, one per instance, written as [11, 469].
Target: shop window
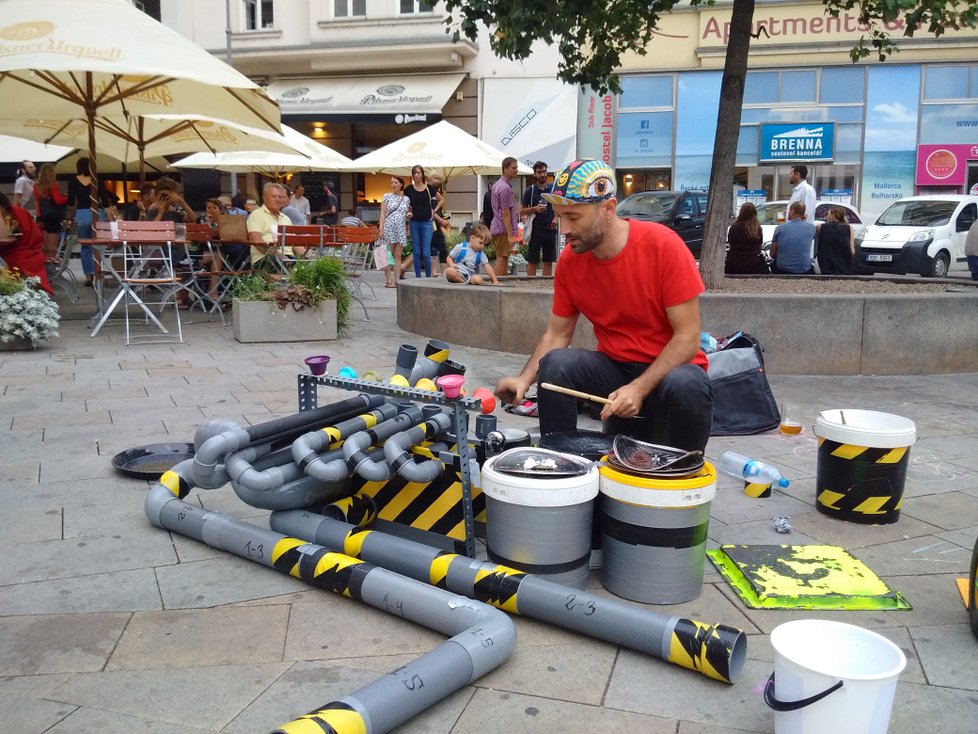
[258, 15]
[349, 8]
[842, 84]
[748, 145]
[761, 87]
[848, 143]
[798, 86]
[410, 7]
[641, 92]
[946, 82]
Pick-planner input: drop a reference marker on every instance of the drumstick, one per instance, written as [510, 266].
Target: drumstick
[575, 393]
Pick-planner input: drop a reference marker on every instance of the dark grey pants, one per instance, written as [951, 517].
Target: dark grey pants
[678, 413]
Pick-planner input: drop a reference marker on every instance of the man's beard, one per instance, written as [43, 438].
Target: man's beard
[590, 238]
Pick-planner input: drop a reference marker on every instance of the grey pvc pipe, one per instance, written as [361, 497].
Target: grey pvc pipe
[715, 650]
[354, 448]
[435, 353]
[304, 419]
[407, 355]
[306, 448]
[209, 472]
[397, 450]
[483, 637]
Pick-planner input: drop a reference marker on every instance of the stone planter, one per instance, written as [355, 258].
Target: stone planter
[17, 345]
[264, 321]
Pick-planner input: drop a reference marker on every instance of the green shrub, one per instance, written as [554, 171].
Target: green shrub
[309, 283]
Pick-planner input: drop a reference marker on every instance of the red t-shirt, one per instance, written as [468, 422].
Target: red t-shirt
[626, 297]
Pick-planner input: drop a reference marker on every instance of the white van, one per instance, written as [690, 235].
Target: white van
[919, 235]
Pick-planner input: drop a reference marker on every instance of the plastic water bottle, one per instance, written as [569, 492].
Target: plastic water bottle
[743, 467]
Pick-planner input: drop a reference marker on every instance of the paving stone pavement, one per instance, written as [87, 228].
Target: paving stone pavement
[111, 625]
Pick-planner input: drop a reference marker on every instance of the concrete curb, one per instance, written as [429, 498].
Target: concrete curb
[823, 334]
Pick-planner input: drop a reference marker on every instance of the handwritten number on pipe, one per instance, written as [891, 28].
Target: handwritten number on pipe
[589, 607]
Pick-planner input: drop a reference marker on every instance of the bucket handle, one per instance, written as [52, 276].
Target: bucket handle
[777, 705]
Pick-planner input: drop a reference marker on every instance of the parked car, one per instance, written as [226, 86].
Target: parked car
[772, 213]
[682, 211]
[922, 235]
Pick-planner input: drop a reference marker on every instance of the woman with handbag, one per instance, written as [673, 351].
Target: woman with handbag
[393, 228]
[52, 206]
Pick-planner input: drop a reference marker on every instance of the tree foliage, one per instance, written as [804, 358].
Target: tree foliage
[593, 35]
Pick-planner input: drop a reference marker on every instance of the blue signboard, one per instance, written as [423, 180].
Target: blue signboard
[797, 142]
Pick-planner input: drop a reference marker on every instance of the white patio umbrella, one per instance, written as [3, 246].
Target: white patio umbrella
[441, 148]
[105, 59]
[308, 155]
[149, 136]
[14, 148]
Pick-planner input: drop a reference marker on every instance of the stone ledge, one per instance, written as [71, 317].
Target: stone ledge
[825, 334]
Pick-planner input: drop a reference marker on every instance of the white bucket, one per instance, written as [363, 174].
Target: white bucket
[832, 678]
[863, 457]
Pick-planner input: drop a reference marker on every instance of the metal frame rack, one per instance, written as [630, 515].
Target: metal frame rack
[309, 399]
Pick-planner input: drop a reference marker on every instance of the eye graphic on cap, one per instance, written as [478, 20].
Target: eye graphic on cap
[598, 186]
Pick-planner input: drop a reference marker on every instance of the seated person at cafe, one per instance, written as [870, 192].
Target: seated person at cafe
[170, 206]
[137, 210]
[351, 219]
[263, 224]
[292, 212]
[791, 246]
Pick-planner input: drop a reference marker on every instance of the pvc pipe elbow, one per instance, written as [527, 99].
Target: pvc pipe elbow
[489, 642]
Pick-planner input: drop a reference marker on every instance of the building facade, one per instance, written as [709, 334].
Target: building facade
[869, 132]
[352, 74]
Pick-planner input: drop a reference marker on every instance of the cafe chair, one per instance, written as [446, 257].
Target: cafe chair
[356, 256]
[142, 264]
[59, 274]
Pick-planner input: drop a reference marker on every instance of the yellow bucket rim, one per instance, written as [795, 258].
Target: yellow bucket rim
[703, 478]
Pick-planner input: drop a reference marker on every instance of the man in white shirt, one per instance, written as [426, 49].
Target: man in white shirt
[802, 191]
[300, 203]
[24, 188]
[263, 223]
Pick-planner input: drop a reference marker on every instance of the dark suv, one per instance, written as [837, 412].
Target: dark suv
[681, 211]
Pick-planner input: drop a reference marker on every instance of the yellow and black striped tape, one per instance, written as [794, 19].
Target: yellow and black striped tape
[333, 718]
[861, 484]
[434, 507]
[175, 483]
[498, 587]
[757, 490]
[703, 647]
[319, 567]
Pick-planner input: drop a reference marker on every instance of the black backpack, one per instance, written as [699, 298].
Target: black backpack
[743, 403]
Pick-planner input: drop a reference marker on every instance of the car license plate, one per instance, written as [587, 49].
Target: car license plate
[879, 258]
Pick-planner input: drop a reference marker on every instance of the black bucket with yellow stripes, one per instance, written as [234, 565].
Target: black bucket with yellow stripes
[862, 465]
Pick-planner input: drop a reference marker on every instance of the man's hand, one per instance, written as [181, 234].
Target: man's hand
[626, 401]
[510, 390]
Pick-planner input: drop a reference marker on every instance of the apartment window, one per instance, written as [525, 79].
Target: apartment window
[947, 82]
[258, 14]
[410, 7]
[349, 8]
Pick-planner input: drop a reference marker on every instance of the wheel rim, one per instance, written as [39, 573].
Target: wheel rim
[940, 267]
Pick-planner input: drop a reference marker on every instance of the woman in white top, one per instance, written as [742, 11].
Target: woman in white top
[393, 227]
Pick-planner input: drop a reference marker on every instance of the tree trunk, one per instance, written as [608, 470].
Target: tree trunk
[725, 146]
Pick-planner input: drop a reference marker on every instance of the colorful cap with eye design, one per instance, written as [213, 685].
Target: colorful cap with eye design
[582, 182]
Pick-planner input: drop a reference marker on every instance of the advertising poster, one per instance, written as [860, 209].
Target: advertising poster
[889, 160]
[596, 126]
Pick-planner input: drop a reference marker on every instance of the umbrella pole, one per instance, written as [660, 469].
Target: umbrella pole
[93, 192]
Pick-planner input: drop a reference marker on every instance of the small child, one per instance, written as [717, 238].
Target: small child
[466, 258]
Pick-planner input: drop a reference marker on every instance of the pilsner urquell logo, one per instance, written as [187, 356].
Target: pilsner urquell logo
[27, 31]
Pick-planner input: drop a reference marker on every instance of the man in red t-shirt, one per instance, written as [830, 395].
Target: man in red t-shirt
[638, 284]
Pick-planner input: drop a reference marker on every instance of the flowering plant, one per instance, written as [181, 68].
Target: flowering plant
[25, 311]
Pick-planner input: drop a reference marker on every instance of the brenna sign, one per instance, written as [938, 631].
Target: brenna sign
[797, 142]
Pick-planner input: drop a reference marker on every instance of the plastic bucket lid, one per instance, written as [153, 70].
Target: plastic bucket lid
[865, 428]
[543, 492]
